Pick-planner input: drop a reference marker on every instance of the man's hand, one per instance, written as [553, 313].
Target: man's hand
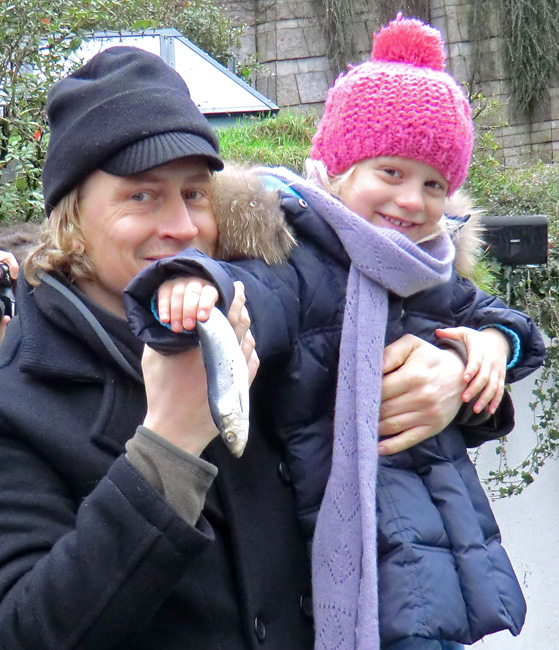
[421, 392]
[176, 386]
[176, 390]
[240, 320]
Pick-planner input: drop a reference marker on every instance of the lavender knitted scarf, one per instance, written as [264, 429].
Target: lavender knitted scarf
[344, 559]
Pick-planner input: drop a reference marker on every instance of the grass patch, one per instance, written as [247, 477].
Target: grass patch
[283, 140]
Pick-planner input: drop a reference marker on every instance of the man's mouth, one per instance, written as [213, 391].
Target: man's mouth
[159, 256]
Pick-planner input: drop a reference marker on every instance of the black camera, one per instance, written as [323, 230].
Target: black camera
[7, 298]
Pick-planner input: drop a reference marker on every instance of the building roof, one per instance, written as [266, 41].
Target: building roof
[216, 91]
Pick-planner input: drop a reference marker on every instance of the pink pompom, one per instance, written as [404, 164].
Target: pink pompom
[406, 40]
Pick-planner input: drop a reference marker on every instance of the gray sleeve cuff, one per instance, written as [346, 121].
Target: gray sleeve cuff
[466, 415]
[181, 478]
[456, 346]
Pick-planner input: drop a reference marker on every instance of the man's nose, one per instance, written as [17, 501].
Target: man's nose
[177, 222]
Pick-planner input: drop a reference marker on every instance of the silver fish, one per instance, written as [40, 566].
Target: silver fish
[228, 382]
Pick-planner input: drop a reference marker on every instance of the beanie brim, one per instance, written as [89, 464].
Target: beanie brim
[158, 150]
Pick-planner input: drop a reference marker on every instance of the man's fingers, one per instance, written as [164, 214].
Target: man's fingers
[249, 351]
[396, 354]
[5, 320]
[397, 418]
[402, 441]
[242, 325]
[238, 315]
[416, 386]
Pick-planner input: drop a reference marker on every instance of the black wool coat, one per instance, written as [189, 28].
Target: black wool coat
[91, 557]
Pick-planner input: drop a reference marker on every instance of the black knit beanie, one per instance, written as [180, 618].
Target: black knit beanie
[125, 111]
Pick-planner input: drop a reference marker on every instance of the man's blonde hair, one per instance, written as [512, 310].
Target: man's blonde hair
[62, 248]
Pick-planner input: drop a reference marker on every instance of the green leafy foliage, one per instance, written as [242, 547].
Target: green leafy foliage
[35, 42]
[37, 38]
[529, 189]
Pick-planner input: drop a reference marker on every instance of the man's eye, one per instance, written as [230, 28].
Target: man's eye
[140, 196]
[194, 196]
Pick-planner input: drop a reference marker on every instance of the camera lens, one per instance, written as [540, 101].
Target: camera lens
[5, 279]
[7, 299]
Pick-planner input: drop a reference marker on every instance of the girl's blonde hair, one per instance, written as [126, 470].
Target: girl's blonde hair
[61, 248]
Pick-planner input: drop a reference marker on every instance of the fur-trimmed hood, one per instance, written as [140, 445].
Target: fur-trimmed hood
[252, 224]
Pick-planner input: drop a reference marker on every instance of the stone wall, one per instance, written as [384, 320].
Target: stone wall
[518, 141]
[289, 41]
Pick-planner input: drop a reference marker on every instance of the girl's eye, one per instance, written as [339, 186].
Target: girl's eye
[391, 172]
[436, 185]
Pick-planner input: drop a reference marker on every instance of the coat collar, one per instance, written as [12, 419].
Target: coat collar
[58, 341]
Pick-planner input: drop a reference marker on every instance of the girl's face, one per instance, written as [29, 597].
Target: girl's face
[398, 193]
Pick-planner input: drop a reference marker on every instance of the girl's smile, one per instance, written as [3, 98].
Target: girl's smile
[398, 193]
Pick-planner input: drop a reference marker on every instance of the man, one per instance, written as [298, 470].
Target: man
[115, 533]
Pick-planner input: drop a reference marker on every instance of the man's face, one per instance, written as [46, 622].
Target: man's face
[129, 222]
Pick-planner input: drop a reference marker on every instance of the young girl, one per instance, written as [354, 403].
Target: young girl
[394, 141]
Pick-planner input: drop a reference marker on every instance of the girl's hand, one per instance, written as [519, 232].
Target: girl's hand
[488, 351]
[183, 301]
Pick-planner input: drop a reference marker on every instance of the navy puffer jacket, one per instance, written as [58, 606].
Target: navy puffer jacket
[443, 573]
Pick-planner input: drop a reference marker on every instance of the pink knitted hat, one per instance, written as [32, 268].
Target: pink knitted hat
[401, 103]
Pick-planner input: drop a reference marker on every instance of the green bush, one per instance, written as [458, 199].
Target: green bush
[283, 140]
[527, 189]
[37, 37]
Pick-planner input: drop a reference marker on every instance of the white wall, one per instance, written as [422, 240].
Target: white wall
[529, 525]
